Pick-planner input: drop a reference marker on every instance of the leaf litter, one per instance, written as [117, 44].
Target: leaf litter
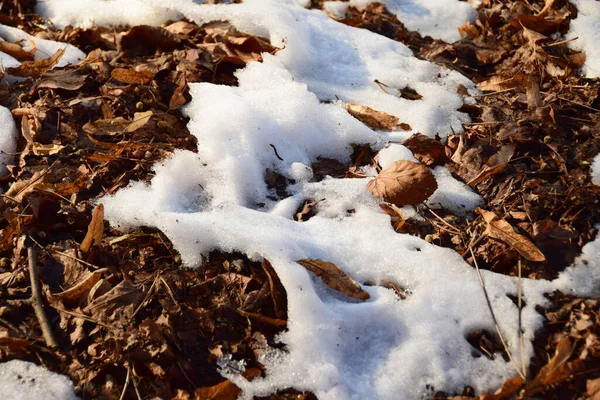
[140, 271]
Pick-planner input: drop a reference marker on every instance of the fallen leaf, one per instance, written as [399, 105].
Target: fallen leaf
[404, 183]
[36, 68]
[62, 79]
[123, 298]
[427, 150]
[334, 277]
[139, 120]
[77, 293]
[377, 120]
[495, 165]
[277, 290]
[509, 387]
[16, 51]
[132, 77]
[46, 149]
[557, 369]
[501, 230]
[95, 229]
[396, 216]
[145, 40]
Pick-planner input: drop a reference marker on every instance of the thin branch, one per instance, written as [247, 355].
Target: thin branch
[487, 299]
[36, 300]
[126, 383]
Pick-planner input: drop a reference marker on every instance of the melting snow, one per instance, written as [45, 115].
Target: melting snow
[21, 380]
[8, 138]
[586, 27]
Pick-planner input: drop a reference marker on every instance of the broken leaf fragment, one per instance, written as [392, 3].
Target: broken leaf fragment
[501, 230]
[131, 76]
[334, 277]
[376, 120]
[36, 68]
[404, 183]
[95, 229]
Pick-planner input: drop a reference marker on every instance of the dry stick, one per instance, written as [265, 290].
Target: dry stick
[36, 300]
[487, 299]
[521, 341]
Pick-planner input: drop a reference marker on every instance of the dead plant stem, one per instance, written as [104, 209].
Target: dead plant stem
[36, 300]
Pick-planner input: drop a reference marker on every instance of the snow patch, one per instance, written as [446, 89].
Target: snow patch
[8, 139]
[45, 48]
[21, 380]
[87, 13]
[595, 170]
[586, 27]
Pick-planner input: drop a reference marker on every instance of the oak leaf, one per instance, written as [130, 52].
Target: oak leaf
[501, 230]
[403, 183]
[334, 277]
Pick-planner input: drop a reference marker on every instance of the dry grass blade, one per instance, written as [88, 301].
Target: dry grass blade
[501, 230]
[489, 304]
[334, 277]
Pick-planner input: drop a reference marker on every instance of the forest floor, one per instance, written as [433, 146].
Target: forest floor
[134, 324]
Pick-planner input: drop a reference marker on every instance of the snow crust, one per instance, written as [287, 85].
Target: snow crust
[45, 48]
[21, 380]
[8, 139]
[87, 13]
[436, 18]
[586, 27]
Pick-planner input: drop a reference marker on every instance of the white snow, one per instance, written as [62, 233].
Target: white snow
[21, 380]
[45, 48]
[338, 348]
[595, 170]
[586, 27]
[87, 13]
[8, 139]
[439, 19]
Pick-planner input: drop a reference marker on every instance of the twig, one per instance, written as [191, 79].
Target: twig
[520, 305]
[487, 299]
[276, 153]
[36, 300]
[577, 104]
[126, 383]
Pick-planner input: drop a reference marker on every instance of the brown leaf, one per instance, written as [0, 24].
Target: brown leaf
[429, 151]
[334, 277]
[36, 68]
[396, 216]
[497, 83]
[501, 230]
[132, 77]
[277, 290]
[16, 51]
[537, 23]
[495, 164]
[62, 79]
[403, 183]
[78, 293]
[95, 229]
[509, 387]
[145, 40]
[178, 98]
[139, 120]
[124, 297]
[557, 369]
[377, 120]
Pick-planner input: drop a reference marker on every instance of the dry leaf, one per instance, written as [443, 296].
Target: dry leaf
[501, 230]
[36, 68]
[557, 369]
[95, 229]
[403, 183]
[377, 120]
[124, 298]
[395, 214]
[132, 77]
[427, 150]
[496, 164]
[16, 51]
[79, 292]
[139, 120]
[62, 79]
[277, 290]
[334, 277]
[46, 149]
[509, 387]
